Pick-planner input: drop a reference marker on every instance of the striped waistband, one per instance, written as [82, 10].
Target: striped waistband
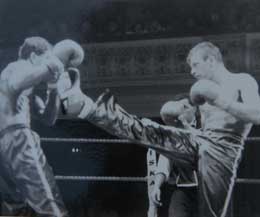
[12, 128]
[229, 136]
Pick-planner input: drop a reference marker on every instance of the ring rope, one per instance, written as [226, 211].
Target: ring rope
[248, 181]
[131, 179]
[85, 140]
[253, 139]
[93, 140]
[116, 178]
[102, 178]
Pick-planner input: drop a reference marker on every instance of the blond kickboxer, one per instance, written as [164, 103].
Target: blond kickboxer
[229, 105]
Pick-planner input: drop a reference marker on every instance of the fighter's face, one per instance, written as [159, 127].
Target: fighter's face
[39, 59]
[200, 67]
[35, 59]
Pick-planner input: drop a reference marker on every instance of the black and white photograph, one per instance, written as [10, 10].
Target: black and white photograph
[130, 108]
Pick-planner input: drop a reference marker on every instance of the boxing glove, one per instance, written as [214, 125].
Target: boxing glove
[74, 102]
[204, 91]
[55, 68]
[69, 52]
[71, 102]
[171, 110]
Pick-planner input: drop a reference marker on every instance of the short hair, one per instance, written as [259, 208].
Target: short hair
[207, 49]
[36, 44]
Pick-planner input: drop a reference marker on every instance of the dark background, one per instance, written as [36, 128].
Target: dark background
[106, 20]
[119, 20]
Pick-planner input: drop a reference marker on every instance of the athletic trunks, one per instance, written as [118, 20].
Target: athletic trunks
[27, 173]
[215, 154]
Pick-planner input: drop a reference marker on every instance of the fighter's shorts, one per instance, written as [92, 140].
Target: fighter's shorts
[214, 154]
[25, 172]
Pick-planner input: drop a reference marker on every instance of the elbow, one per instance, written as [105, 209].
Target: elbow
[256, 117]
[256, 121]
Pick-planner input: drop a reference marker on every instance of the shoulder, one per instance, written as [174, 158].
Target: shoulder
[3, 86]
[245, 79]
[14, 68]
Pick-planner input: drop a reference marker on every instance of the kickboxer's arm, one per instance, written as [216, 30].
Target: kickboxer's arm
[47, 110]
[155, 196]
[162, 173]
[249, 109]
[24, 76]
[52, 108]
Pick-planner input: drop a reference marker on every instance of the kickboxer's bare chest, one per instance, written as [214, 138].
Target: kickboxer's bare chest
[212, 113]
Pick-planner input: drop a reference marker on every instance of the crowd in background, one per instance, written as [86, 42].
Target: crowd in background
[116, 20]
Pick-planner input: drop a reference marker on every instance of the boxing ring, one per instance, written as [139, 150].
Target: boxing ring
[120, 178]
[129, 180]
